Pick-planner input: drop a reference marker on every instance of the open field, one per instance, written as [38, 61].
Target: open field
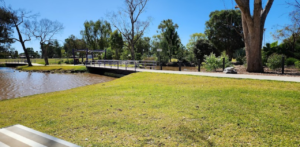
[165, 109]
[52, 68]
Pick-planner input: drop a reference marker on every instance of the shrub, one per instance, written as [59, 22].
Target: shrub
[227, 62]
[240, 55]
[297, 64]
[290, 61]
[60, 62]
[69, 61]
[274, 61]
[211, 62]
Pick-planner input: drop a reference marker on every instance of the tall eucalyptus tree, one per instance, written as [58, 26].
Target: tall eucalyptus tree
[253, 28]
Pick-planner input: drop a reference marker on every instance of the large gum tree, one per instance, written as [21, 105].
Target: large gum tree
[253, 28]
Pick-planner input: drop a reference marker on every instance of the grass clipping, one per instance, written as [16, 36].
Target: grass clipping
[163, 109]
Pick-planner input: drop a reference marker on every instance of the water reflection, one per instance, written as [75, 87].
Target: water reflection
[17, 84]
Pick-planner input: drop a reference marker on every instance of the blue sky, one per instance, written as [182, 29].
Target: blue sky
[190, 15]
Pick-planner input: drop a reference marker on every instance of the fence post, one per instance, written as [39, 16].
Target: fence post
[223, 64]
[179, 66]
[199, 63]
[282, 64]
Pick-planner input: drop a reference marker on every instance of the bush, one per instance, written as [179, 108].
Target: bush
[60, 62]
[297, 64]
[212, 62]
[274, 61]
[240, 56]
[69, 61]
[227, 62]
[290, 61]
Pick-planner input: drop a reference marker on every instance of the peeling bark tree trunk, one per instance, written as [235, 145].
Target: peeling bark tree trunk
[253, 27]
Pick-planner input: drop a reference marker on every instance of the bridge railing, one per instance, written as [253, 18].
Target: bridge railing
[123, 64]
[19, 61]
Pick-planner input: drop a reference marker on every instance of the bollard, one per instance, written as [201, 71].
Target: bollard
[223, 64]
[282, 64]
[179, 66]
[199, 63]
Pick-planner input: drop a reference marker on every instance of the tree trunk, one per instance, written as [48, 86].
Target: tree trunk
[253, 27]
[45, 52]
[23, 45]
[253, 43]
[132, 52]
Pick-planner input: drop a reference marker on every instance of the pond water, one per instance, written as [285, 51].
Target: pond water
[14, 83]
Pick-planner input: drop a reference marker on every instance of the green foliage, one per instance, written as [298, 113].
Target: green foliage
[6, 29]
[96, 34]
[69, 61]
[191, 44]
[142, 46]
[290, 61]
[274, 61]
[109, 54]
[60, 62]
[126, 55]
[224, 30]
[227, 62]
[138, 56]
[240, 56]
[171, 37]
[116, 43]
[212, 62]
[297, 64]
[203, 47]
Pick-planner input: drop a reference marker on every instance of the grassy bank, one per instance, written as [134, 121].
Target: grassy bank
[164, 109]
[53, 68]
[2, 65]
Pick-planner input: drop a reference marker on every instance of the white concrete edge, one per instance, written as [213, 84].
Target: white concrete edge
[47, 136]
[21, 138]
[3, 145]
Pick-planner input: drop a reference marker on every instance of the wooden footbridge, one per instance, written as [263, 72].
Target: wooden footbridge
[15, 62]
[121, 66]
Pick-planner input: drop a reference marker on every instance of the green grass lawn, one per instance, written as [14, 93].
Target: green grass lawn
[52, 68]
[164, 109]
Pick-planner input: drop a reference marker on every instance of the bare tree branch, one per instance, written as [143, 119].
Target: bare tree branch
[132, 29]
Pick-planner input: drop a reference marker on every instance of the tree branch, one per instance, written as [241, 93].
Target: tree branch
[266, 10]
